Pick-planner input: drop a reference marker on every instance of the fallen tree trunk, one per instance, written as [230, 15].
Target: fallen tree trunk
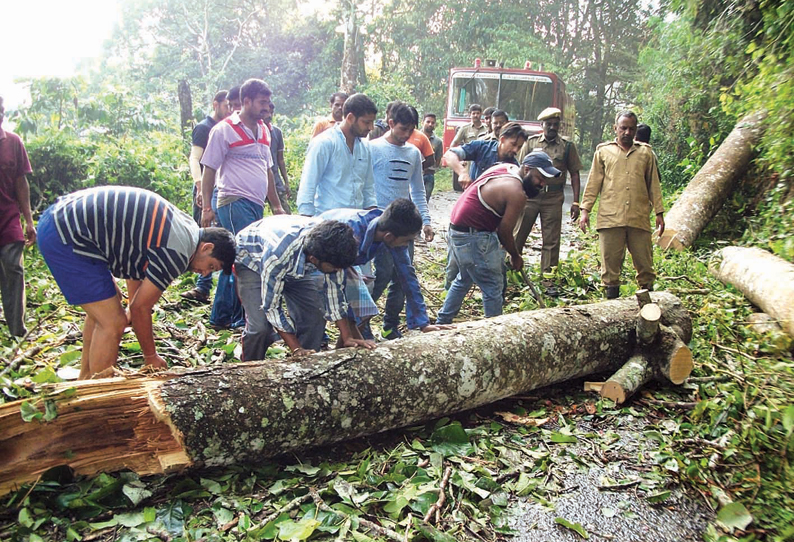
[708, 190]
[244, 412]
[766, 280]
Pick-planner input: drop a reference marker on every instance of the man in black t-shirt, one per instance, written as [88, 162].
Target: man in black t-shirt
[201, 134]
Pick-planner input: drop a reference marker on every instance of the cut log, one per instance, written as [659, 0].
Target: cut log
[637, 372]
[643, 297]
[648, 323]
[670, 357]
[245, 412]
[707, 191]
[766, 280]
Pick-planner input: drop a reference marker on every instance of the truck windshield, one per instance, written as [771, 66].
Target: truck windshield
[522, 96]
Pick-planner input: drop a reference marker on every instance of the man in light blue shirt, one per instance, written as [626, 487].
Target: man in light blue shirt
[337, 172]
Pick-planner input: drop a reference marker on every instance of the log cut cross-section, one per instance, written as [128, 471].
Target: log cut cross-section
[712, 185]
[245, 412]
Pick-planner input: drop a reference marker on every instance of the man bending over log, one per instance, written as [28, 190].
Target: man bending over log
[287, 258]
[90, 236]
[484, 216]
[391, 231]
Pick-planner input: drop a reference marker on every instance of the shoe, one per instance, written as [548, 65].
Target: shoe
[612, 292]
[552, 291]
[219, 327]
[391, 334]
[199, 296]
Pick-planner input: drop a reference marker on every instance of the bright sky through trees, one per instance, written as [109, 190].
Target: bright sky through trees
[50, 38]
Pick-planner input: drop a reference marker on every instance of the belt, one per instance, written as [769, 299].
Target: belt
[464, 229]
[553, 188]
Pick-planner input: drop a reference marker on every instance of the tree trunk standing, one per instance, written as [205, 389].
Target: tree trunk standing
[350, 61]
[766, 280]
[245, 412]
[707, 191]
[185, 104]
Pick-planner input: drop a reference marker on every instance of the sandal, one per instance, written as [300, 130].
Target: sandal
[196, 295]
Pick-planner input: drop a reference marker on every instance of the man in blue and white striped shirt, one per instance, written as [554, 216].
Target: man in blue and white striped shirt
[287, 258]
[90, 236]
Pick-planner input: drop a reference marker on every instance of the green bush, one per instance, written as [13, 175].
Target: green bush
[60, 164]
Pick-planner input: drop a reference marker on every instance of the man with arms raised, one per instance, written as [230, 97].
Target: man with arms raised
[625, 175]
[482, 223]
[93, 235]
[238, 153]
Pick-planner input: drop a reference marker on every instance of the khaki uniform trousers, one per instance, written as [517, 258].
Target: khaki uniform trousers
[549, 206]
[614, 242]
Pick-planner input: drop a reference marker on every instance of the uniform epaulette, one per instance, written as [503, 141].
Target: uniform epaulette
[605, 143]
[642, 143]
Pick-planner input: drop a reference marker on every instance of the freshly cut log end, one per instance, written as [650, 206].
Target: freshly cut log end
[629, 378]
[671, 358]
[681, 363]
[648, 323]
[643, 297]
[669, 239]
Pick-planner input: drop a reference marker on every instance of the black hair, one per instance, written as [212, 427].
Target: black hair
[401, 113]
[253, 88]
[332, 242]
[626, 113]
[430, 115]
[488, 111]
[475, 107]
[415, 114]
[336, 95]
[529, 187]
[224, 249]
[643, 133]
[234, 93]
[512, 130]
[389, 106]
[401, 218]
[359, 104]
[220, 96]
[499, 113]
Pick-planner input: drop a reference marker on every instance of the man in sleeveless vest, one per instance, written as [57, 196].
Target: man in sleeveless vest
[481, 230]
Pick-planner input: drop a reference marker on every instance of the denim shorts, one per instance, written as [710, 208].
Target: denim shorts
[81, 279]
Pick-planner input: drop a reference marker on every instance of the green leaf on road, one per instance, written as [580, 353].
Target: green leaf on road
[575, 527]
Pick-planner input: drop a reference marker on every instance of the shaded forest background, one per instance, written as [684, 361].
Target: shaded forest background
[689, 68]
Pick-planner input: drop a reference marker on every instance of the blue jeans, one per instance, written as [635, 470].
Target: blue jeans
[203, 283]
[385, 272]
[480, 260]
[304, 304]
[226, 307]
[430, 183]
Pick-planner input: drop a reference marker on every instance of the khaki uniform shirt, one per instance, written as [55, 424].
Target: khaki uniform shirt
[468, 133]
[628, 183]
[556, 150]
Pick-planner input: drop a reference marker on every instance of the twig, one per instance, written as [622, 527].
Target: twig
[681, 277]
[670, 404]
[294, 503]
[157, 533]
[382, 531]
[734, 351]
[712, 378]
[689, 291]
[442, 497]
[619, 486]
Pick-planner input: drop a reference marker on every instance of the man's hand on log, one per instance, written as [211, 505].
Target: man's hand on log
[359, 343]
[155, 361]
[298, 352]
[436, 327]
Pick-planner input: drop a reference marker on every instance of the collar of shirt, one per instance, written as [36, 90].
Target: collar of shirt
[634, 146]
[234, 118]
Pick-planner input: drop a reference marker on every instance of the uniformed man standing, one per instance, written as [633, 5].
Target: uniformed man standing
[625, 174]
[549, 203]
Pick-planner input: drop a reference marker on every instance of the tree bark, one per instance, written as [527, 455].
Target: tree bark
[244, 412]
[629, 378]
[707, 191]
[648, 323]
[766, 280]
[185, 103]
